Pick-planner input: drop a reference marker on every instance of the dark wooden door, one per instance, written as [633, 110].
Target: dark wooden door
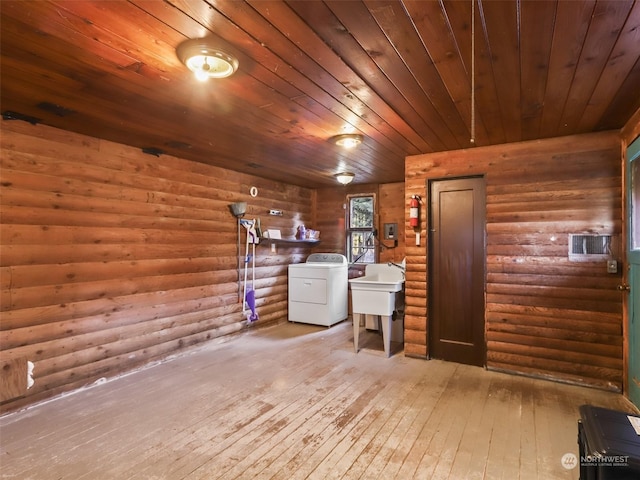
[457, 266]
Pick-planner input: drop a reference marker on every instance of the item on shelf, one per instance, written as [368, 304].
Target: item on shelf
[312, 234]
[273, 233]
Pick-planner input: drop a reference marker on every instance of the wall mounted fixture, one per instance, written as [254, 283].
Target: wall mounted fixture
[206, 60]
[345, 177]
[348, 140]
[238, 209]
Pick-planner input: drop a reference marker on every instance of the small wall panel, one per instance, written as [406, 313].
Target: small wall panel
[544, 315]
[111, 258]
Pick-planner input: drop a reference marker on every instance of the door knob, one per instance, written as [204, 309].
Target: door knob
[624, 288]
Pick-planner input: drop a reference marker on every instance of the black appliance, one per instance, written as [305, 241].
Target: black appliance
[609, 446]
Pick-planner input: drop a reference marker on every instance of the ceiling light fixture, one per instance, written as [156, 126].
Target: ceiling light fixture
[345, 178]
[206, 61]
[348, 140]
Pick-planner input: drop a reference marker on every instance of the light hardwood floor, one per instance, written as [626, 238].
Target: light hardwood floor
[294, 401]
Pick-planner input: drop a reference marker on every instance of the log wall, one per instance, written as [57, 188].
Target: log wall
[391, 198]
[331, 216]
[544, 315]
[112, 258]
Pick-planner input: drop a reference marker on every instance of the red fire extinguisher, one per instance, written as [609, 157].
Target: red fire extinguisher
[414, 211]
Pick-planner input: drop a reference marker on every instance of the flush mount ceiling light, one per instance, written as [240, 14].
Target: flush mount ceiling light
[345, 177]
[348, 140]
[205, 60]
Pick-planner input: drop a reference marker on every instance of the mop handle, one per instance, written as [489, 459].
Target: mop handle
[246, 260]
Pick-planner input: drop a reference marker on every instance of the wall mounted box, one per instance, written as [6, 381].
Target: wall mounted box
[390, 231]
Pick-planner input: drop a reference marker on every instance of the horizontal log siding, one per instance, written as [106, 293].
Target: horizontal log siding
[112, 258]
[330, 219]
[391, 208]
[545, 316]
[331, 216]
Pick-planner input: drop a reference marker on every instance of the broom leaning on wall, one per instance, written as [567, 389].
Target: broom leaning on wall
[249, 295]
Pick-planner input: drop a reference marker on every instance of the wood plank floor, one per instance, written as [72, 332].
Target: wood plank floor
[294, 401]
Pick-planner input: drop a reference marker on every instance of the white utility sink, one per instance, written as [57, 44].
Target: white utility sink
[374, 294]
[376, 283]
[377, 293]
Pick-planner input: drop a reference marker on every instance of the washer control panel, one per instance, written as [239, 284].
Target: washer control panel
[326, 258]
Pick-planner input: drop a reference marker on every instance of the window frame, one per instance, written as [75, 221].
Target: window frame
[368, 233]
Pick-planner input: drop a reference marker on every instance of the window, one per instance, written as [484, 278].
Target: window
[360, 229]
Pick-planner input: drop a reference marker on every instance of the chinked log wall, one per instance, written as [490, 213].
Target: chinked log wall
[544, 315]
[112, 258]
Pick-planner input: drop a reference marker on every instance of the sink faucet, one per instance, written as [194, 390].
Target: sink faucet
[397, 265]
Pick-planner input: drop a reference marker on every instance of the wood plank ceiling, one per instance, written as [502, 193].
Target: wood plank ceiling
[398, 72]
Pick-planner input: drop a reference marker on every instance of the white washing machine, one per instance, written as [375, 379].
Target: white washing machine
[319, 290]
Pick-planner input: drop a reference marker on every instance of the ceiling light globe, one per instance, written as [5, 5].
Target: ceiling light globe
[201, 75]
[345, 178]
[349, 143]
[348, 140]
[206, 61]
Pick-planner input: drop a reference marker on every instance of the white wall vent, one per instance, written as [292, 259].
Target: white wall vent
[591, 247]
